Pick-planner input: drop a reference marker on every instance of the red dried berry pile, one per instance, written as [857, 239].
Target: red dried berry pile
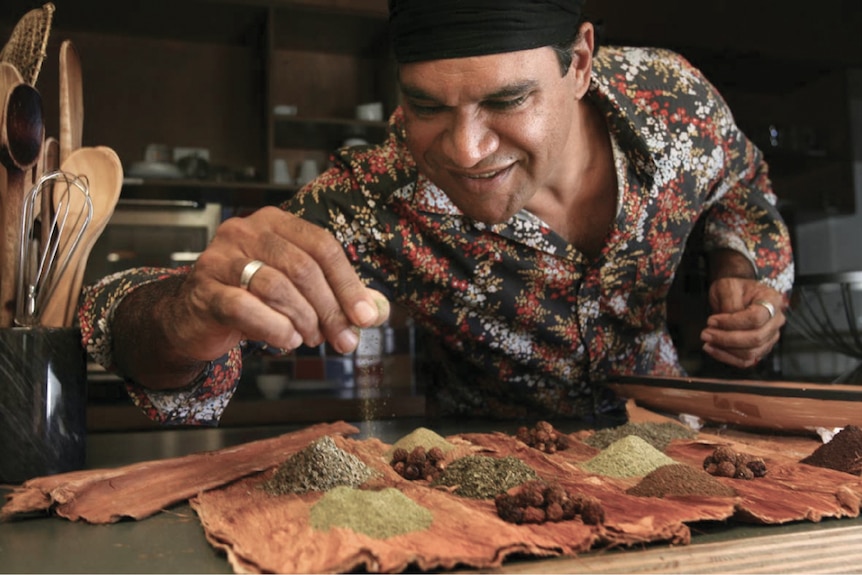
[539, 502]
[543, 437]
[418, 464]
[725, 462]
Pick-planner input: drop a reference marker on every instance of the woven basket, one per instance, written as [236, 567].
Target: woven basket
[26, 48]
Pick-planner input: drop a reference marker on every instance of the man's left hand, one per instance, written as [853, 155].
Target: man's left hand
[746, 321]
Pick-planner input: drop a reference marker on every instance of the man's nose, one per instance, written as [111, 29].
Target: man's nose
[469, 140]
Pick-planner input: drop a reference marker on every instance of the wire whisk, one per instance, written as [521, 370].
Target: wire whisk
[56, 213]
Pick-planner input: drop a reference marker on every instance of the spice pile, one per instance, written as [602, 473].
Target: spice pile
[321, 466]
[543, 437]
[680, 479]
[422, 436]
[630, 456]
[539, 502]
[725, 462]
[484, 477]
[418, 464]
[842, 453]
[659, 435]
[378, 514]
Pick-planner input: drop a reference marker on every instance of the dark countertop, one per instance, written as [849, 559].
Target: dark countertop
[173, 541]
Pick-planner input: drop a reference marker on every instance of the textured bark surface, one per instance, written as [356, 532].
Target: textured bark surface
[265, 533]
[142, 489]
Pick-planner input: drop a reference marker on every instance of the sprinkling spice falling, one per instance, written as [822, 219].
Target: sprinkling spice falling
[630, 456]
[842, 453]
[483, 477]
[680, 479]
[321, 466]
[378, 514]
[659, 435]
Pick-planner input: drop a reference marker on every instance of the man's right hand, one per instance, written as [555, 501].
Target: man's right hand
[306, 292]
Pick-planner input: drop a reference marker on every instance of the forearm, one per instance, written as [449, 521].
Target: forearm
[142, 338]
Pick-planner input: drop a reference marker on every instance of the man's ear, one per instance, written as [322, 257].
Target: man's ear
[582, 59]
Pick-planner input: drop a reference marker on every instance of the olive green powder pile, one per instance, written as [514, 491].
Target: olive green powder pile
[679, 479]
[378, 514]
[659, 435]
[630, 456]
[484, 477]
[422, 436]
[321, 466]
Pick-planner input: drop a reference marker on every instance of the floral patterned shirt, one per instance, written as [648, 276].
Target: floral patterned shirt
[530, 327]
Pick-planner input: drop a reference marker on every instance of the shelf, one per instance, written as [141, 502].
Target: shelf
[267, 412]
[323, 133]
[232, 195]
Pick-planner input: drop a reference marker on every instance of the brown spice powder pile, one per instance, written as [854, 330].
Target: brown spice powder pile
[424, 437]
[680, 479]
[842, 453]
[659, 435]
[483, 477]
[321, 466]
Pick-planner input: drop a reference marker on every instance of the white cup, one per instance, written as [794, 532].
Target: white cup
[281, 172]
[307, 171]
[370, 112]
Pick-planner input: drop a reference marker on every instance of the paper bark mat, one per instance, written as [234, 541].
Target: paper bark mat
[142, 489]
[260, 532]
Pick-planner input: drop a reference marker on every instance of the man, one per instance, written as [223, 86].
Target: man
[530, 207]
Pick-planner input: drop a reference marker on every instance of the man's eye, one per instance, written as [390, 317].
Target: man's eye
[424, 109]
[506, 104]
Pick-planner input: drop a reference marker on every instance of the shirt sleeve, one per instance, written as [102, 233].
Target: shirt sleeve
[200, 403]
[742, 213]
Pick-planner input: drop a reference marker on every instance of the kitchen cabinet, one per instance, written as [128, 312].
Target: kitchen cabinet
[208, 74]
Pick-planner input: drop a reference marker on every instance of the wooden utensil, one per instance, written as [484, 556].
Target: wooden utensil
[71, 100]
[50, 162]
[22, 132]
[104, 172]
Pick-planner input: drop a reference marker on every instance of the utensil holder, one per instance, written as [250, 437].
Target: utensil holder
[43, 400]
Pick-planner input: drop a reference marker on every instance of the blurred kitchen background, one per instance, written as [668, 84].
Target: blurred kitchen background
[217, 107]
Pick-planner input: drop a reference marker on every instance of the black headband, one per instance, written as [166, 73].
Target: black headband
[437, 29]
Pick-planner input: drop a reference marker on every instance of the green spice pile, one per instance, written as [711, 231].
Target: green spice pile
[483, 477]
[630, 456]
[321, 466]
[543, 437]
[680, 479]
[378, 514]
[842, 453]
[659, 435]
[539, 502]
[424, 437]
[725, 462]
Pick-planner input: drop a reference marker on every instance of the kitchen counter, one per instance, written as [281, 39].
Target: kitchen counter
[173, 541]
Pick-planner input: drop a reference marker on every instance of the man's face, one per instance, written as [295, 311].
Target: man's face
[491, 131]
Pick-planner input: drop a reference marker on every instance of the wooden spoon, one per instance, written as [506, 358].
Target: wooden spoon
[104, 172]
[71, 100]
[22, 132]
